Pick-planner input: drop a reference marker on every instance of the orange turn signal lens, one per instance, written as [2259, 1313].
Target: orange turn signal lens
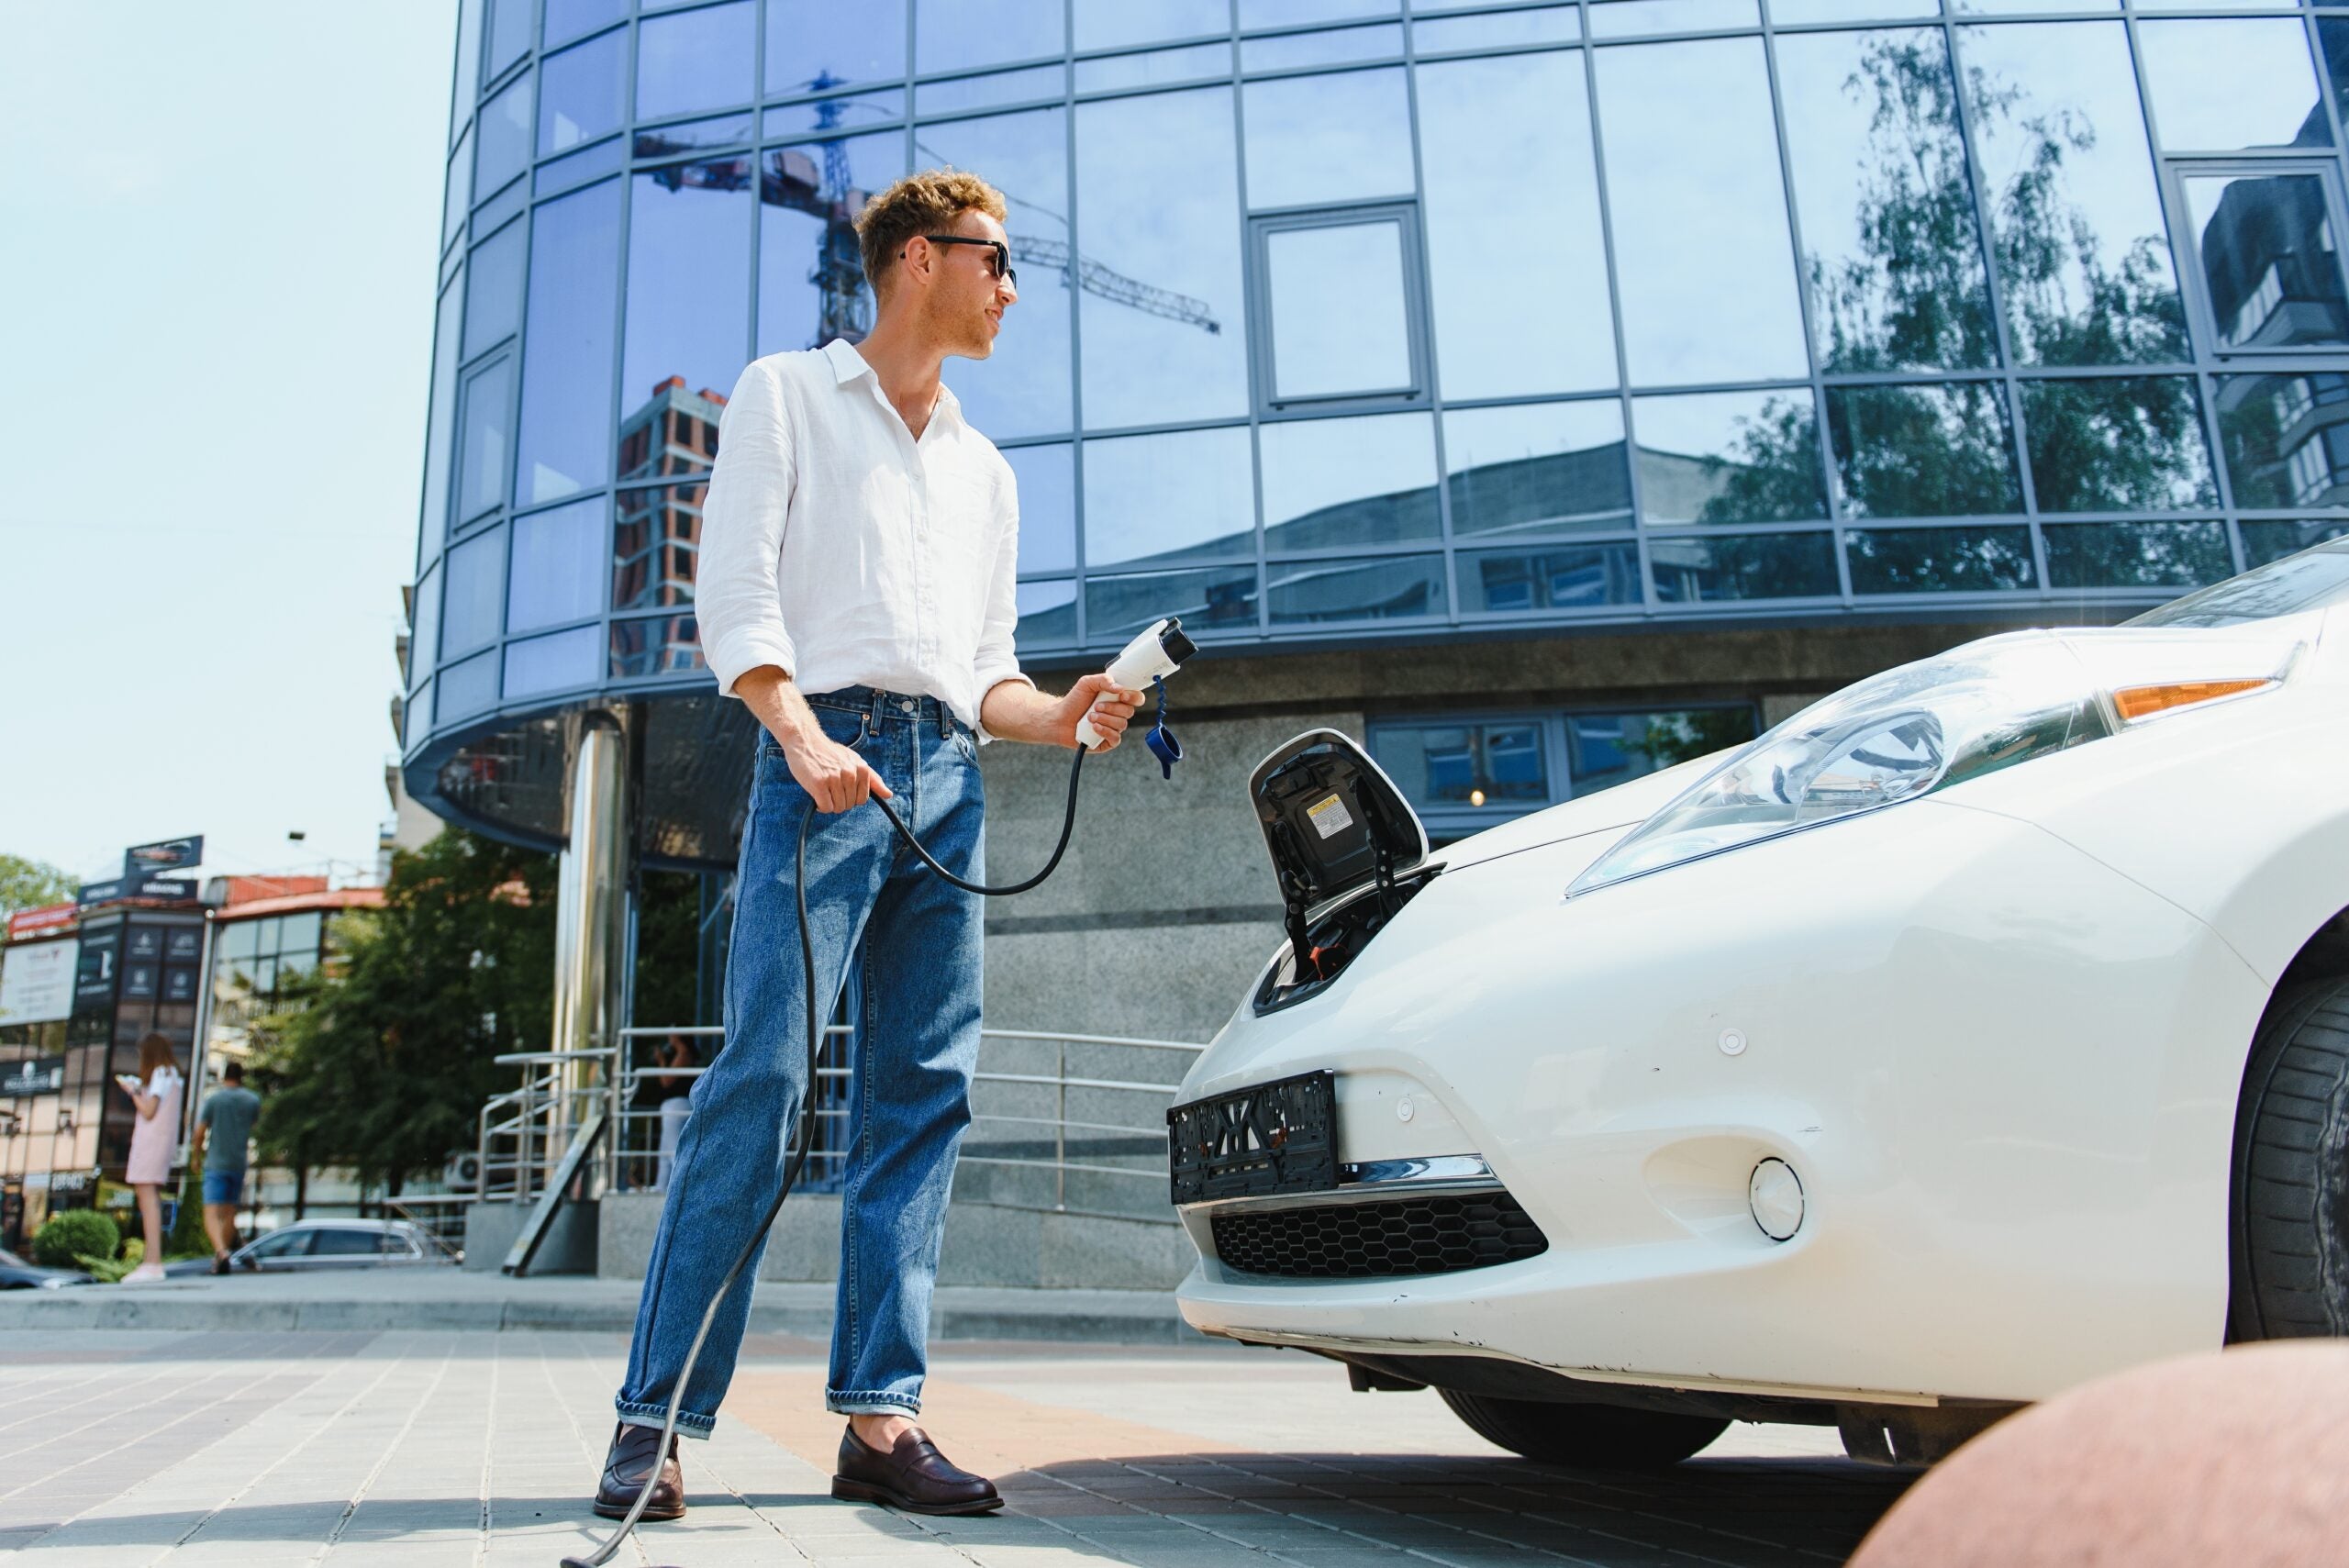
[2143, 702]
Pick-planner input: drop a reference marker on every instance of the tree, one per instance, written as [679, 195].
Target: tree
[28, 884]
[380, 1060]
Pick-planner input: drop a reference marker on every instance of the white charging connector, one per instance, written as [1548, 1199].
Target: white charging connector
[1158, 651]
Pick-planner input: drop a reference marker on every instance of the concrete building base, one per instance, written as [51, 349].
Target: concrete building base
[569, 1247]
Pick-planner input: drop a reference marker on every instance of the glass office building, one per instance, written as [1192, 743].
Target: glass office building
[1349, 326]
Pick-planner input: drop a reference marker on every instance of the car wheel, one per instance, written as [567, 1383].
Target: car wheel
[1590, 1437]
[2290, 1218]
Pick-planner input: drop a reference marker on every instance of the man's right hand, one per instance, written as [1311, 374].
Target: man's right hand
[834, 776]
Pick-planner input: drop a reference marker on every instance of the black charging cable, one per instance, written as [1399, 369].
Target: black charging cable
[799, 1158]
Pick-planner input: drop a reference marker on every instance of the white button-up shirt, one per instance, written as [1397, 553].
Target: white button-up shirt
[840, 548]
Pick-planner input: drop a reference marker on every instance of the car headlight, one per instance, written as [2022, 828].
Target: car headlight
[1927, 726]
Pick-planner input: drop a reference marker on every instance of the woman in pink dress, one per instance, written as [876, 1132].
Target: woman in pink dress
[153, 1140]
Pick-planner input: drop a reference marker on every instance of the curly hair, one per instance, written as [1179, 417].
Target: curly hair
[927, 202]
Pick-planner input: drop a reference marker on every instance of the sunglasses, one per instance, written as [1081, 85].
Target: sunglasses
[1000, 266]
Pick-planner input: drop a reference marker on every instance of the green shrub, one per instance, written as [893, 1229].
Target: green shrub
[73, 1235]
[109, 1271]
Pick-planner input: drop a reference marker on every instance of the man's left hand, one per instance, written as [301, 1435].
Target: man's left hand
[1110, 706]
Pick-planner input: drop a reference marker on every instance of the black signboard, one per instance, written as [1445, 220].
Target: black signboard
[179, 983]
[183, 944]
[139, 980]
[145, 944]
[169, 854]
[172, 889]
[42, 1075]
[93, 982]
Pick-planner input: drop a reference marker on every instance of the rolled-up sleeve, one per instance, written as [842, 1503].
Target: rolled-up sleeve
[742, 530]
[998, 660]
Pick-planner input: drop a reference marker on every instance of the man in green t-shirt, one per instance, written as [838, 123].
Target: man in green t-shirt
[225, 1123]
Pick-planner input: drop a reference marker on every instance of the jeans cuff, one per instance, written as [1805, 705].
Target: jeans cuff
[689, 1425]
[869, 1402]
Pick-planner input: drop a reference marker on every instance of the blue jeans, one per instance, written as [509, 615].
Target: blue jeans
[909, 1103]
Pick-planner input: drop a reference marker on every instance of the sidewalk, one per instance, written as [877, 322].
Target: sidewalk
[435, 1296]
[474, 1449]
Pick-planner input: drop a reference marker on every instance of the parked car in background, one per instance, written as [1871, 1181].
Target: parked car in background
[308, 1244]
[1979, 1030]
[17, 1275]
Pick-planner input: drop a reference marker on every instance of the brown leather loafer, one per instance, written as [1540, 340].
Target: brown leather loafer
[913, 1477]
[626, 1467]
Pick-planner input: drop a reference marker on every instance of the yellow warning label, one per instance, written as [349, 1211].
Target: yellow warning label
[1330, 815]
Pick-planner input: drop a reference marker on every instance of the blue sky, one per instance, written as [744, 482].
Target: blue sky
[216, 321]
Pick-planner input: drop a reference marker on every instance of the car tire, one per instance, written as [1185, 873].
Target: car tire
[1589, 1437]
[2290, 1214]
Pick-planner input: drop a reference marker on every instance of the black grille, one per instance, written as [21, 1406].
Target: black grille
[1432, 1235]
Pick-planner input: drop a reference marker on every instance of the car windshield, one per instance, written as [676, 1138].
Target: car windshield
[2310, 579]
[10, 1261]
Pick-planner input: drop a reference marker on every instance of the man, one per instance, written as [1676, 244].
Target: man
[857, 552]
[225, 1123]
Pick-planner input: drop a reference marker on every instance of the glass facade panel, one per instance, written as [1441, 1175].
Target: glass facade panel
[1645, 19]
[424, 629]
[1047, 614]
[1022, 388]
[2271, 274]
[1160, 67]
[656, 645]
[688, 282]
[1603, 750]
[987, 92]
[1344, 46]
[1701, 248]
[811, 276]
[567, 349]
[1334, 292]
[695, 59]
[1794, 13]
[582, 92]
[1209, 599]
[1556, 577]
[2118, 444]
[2222, 86]
[856, 109]
[1181, 496]
[2287, 438]
[2136, 555]
[1374, 588]
[960, 35]
[1707, 568]
[1158, 200]
[656, 543]
[1498, 29]
[1729, 457]
[1488, 129]
[510, 26]
[493, 290]
[442, 422]
[503, 138]
[583, 165]
[566, 19]
[555, 661]
[1047, 481]
[1343, 137]
[2082, 254]
[460, 195]
[475, 593]
[1339, 483]
[1892, 249]
[1466, 765]
[484, 430]
[1924, 452]
[695, 136]
[1542, 468]
[1122, 24]
[2263, 542]
[814, 44]
[1302, 12]
[557, 573]
[468, 63]
[1958, 560]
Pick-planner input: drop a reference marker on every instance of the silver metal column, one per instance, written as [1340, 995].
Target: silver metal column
[591, 921]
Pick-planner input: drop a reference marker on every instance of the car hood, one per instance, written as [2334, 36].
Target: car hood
[1619, 810]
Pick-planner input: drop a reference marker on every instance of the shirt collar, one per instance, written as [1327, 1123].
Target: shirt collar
[848, 364]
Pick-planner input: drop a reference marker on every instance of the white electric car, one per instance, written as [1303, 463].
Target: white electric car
[1979, 1030]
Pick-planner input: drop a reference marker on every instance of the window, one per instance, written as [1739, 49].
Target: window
[334, 1242]
[2265, 262]
[1463, 776]
[1340, 319]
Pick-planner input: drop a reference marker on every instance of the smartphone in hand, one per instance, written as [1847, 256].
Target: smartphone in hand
[131, 1083]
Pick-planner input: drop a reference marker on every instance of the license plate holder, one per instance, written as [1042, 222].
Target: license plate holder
[1278, 1137]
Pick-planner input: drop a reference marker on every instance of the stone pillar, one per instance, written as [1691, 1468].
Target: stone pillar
[591, 915]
